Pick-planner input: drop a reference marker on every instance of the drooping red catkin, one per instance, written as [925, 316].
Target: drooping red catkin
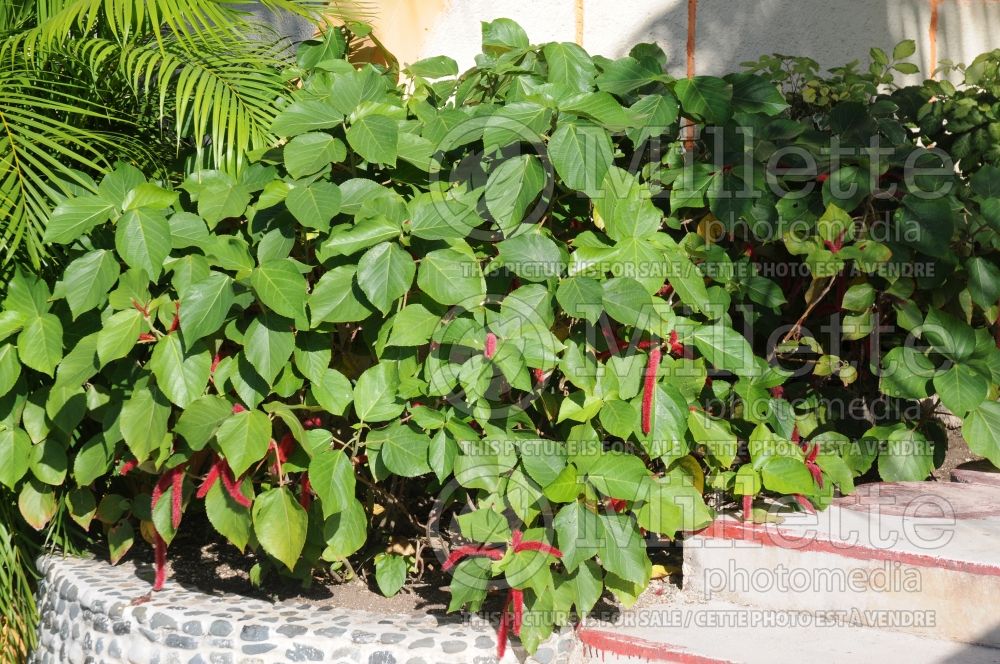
[467, 551]
[652, 366]
[175, 324]
[127, 467]
[491, 346]
[162, 484]
[210, 479]
[160, 556]
[804, 503]
[238, 408]
[617, 504]
[676, 347]
[748, 508]
[814, 469]
[305, 495]
[232, 488]
[517, 599]
[177, 495]
[502, 630]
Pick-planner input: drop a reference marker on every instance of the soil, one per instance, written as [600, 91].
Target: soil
[957, 454]
[218, 567]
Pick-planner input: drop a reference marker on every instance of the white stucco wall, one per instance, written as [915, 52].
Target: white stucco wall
[727, 31]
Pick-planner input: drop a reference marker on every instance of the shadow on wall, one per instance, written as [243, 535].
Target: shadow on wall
[730, 32]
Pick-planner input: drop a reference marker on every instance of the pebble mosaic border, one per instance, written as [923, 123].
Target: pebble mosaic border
[87, 617]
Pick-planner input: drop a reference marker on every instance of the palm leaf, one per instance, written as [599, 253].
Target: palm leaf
[44, 146]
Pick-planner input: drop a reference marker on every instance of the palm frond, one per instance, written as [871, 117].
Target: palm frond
[18, 614]
[44, 144]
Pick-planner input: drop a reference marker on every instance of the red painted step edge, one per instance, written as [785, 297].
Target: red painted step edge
[735, 530]
[627, 646]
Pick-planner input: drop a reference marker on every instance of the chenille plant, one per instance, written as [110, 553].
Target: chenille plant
[538, 318]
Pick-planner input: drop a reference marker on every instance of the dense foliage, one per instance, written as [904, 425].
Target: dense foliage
[533, 315]
[157, 82]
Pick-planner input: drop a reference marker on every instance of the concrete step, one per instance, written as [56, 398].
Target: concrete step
[976, 472]
[921, 558]
[716, 632]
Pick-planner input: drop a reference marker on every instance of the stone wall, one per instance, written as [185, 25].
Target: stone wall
[93, 613]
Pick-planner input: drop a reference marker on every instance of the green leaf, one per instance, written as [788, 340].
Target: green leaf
[76, 216]
[756, 94]
[581, 297]
[907, 456]
[314, 205]
[390, 573]
[89, 279]
[981, 430]
[544, 460]
[375, 394]
[201, 419]
[668, 424]
[345, 532]
[412, 326]
[984, 281]
[904, 49]
[143, 421]
[705, 98]
[206, 305]
[228, 517]
[626, 301]
[621, 76]
[619, 475]
[335, 298]
[37, 503]
[569, 65]
[333, 391]
[374, 137]
[243, 439]
[281, 287]
[531, 256]
[142, 238]
[439, 66]
[599, 107]
[623, 551]
[581, 155]
[484, 526]
[305, 115]
[511, 188]
[385, 273]
[222, 198]
[715, 434]
[948, 335]
[961, 388]
[451, 277]
[331, 475]
[403, 450]
[280, 524]
[926, 224]
[787, 475]
[10, 368]
[15, 454]
[119, 335]
[268, 344]
[40, 344]
[181, 376]
[726, 349]
[309, 153]
[502, 35]
[579, 531]
[905, 373]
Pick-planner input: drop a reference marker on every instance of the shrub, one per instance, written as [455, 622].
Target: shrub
[539, 311]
